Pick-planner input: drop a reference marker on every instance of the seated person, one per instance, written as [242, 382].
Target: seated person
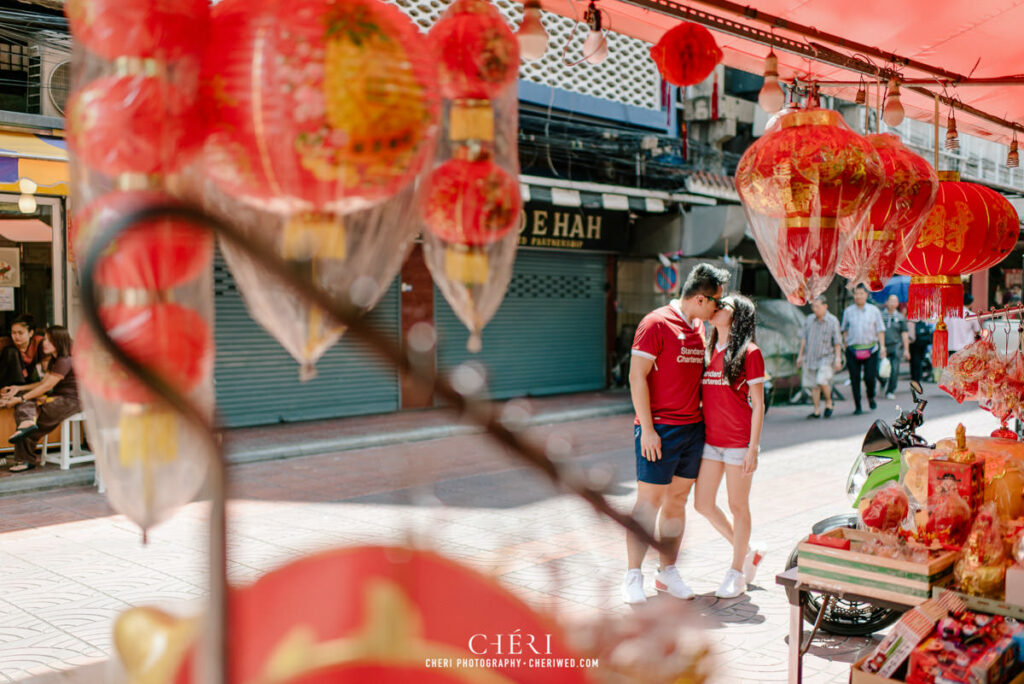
[20, 358]
[42, 406]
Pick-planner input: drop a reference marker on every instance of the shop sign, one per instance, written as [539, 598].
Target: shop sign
[573, 228]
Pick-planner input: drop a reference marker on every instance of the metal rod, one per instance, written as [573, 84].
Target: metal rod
[996, 313]
[935, 128]
[966, 83]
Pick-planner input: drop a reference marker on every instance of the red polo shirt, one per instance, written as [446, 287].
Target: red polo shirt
[727, 410]
[676, 345]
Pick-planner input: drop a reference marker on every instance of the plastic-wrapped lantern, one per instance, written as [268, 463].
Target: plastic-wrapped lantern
[896, 217]
[477, 52]
[317, 106]
[160, 29]
[806, 184]
[686, 54]
[157, 255]
[133, 124]
[470, 204]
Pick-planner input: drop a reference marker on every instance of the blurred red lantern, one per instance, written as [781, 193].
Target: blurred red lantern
[157, 255]
[133, 124]
[477, 52]
[160, 29]
[471, 203]
[317, 106]
[686, 54]
[805, 186]
[969, 229]
[172, 341]
[882, 242]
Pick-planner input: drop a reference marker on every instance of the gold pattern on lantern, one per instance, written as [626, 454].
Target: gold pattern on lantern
[471, 120]
[946, 232]
[152, 644]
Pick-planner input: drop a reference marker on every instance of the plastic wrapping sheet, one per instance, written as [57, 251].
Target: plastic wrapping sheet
[882, 242]
[323, 117]
[981, 570]
[806, 186]
[966, 369]
[472, 202]
[885, 508]
[160, 29]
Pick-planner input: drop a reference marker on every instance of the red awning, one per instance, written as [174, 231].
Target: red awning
[976, 38]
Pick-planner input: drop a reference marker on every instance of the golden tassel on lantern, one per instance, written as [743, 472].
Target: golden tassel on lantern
[148, 435]
[466, 265]
[314, 236]
[471, 120]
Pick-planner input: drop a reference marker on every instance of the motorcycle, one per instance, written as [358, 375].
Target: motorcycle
[878, 463]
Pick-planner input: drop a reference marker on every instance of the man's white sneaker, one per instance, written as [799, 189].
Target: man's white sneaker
[751, 563]
[668, 580]
[732, 586]
[633, 587]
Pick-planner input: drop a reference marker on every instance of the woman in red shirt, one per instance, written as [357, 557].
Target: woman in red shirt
[732, 393]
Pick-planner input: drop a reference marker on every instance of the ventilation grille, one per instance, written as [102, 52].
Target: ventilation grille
[627, 76]
[546, 286]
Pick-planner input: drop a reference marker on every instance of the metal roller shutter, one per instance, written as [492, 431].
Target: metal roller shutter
[548, 337]
[257, 381]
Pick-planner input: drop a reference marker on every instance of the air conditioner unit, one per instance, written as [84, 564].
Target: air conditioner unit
[49, 79]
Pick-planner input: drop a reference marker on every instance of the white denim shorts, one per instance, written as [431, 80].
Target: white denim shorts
[727, 455]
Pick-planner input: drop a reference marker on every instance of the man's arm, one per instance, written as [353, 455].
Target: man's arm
[639, 368]
[881, 335]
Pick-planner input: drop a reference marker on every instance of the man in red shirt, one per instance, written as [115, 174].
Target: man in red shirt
[664, 378]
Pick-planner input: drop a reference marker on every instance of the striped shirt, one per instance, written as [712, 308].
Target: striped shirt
[862, 325]
[820, 340]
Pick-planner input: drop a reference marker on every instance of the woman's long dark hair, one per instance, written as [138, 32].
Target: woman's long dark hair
[741, 333]
[61, 339]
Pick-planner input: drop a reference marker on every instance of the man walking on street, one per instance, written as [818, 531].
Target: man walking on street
[963, 331]
[897, 341]
[820, 355]
[864, 334]
[664, 379]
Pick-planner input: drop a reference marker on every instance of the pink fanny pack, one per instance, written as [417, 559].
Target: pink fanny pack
[861, 354]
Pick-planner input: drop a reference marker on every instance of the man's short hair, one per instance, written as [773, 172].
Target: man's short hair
[863, 288]
[968, 299]
[820, 299]
[704, 279]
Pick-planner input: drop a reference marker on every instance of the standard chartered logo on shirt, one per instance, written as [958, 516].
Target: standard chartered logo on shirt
[688, 355]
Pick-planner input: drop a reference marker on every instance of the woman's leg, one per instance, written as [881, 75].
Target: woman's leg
[706, 491]
[738, 486]
[25, 414]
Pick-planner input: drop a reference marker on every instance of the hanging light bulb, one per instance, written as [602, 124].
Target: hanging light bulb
[862, 94]
[533, 39]
[952, 140]
[771, 98]
[27, 204]
[1013, 158]
[595, 47]
[892, 115]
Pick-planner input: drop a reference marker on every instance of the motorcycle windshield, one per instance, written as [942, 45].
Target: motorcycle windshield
[880, 437]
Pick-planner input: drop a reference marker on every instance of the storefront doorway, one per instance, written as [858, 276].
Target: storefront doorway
[32, 263]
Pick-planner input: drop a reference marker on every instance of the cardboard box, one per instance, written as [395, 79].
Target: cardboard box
[1015, 586]
[838, 571]
[981, 604]
[969, 479]
[938, 661]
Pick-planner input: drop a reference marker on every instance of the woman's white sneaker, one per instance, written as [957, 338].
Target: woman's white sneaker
[668, 580]
[633, 587]
[732, 586]
[751, 563]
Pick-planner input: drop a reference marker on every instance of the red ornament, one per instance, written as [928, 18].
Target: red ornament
[686, 54]
[471, 203]
[885, 509]
[806, 185]
[317, 106]
[882, 242]
[133, 124]
[970, 228]
[477, 52]
[172, 341]
[157, 255]
[379, 614]
[160, 29]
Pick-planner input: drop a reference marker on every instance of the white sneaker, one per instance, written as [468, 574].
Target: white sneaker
[668, 580]
[890, 395]
[751, 562]
[732, 586]
[633, 587]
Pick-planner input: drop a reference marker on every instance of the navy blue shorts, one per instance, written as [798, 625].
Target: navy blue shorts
[681, 449]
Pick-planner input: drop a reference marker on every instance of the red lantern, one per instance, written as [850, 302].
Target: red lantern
[805, 185]
[686, 54]
[477, 52]
[471, 203]
[133, 124]
[172, 341]
[157, 255]
[882, 242]
[317, 106]
[969, 229]
[161, 29]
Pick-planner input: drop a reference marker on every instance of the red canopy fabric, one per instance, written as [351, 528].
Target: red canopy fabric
[954, 35]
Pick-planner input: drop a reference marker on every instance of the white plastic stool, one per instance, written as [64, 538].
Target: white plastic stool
[71, 451]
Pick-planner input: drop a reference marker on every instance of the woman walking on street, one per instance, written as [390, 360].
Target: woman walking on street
[732, 392]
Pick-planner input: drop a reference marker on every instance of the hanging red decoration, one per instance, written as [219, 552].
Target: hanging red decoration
[172, 341]
[476, 51]
[686, 54]
[157, 255]
[471, 202]
[970, 228]
[160, 29]
[806, 184]
[133, 124]
[882, 242]
[317, 106]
